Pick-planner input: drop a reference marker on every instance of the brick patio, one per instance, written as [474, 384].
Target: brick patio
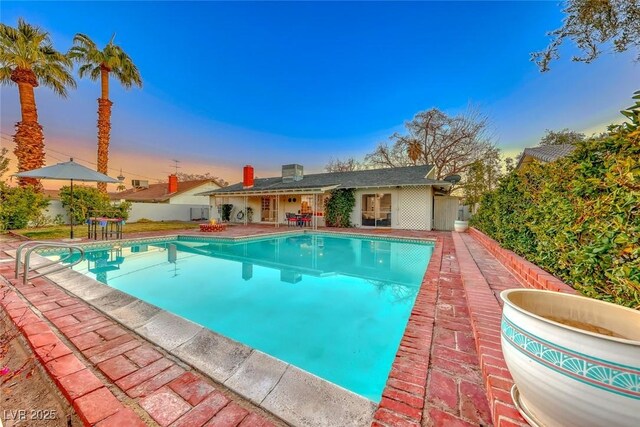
[449, 368]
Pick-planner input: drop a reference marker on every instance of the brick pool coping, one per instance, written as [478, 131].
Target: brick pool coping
[405, 358]
[486, 315]
[527, 273]
[404, 397]
[92, 401]
[147, 379]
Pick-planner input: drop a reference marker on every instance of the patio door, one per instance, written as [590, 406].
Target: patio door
[376, 210]
[268, 212]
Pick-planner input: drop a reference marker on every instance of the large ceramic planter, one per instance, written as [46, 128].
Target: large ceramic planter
[566, 375]
[460, 226]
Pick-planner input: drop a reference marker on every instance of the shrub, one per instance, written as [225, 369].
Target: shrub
[578, 217]
[338, 208]
[19, 205]
[89, 201]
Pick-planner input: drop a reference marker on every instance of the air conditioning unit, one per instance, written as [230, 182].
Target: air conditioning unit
[139, 183]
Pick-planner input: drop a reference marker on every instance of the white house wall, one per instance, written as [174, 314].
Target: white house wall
[139, 210]
[415, 208]
[238, 205]
[411, 207]
[189, 197]
[255, 202]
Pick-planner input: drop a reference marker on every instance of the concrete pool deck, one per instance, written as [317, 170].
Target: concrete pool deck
[437, 378]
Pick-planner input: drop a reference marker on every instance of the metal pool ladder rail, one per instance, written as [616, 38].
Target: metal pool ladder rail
[33, 245]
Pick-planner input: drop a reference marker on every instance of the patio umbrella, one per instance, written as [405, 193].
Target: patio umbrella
[71, 171]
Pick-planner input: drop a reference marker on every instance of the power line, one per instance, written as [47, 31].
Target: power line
[10, 139]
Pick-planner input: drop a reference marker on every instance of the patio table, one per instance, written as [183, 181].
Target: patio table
[108, 227]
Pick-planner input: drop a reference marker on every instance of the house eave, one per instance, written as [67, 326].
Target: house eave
[266, 192]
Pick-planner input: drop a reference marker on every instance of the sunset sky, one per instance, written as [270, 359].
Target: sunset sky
[228, 84]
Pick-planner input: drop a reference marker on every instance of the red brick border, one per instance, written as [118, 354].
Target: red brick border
[93, 402]
[527, 273]
[486, 315]
[403, 398]
[156, 384]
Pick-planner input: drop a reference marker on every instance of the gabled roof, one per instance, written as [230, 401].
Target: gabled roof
[158, 192]
[389, 177]
[547, 153]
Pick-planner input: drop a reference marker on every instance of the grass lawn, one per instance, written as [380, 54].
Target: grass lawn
[62, 231]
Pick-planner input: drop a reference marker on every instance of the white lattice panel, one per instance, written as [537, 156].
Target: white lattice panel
[414, 208]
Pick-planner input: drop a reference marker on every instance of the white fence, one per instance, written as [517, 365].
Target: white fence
[152, 211]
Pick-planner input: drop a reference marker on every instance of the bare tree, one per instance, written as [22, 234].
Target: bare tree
[346, 165]
[182, 176]
[561, 137]
[450, 143]
[591, 24]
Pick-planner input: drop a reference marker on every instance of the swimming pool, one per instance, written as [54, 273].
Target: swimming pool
[334, 306]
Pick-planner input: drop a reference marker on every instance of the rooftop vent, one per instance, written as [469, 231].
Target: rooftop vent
[291, 173]
[139, 183]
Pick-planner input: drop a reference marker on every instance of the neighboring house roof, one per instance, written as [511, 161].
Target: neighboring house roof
[546, 153]
[389, 177]
[158, 192]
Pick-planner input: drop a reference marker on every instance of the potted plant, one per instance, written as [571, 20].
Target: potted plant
[575, 361]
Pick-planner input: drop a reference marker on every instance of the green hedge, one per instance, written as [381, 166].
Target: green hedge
[578, 217]
[338, 208]
[89, 201]
[19, 206]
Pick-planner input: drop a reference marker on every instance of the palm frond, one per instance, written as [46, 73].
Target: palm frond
[5, 76]
[29, 47]
[95, 73]
[88, 69]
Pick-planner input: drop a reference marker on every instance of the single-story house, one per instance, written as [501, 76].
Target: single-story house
[173, 200]
[544, 154]
[173, 192]
[401, 198]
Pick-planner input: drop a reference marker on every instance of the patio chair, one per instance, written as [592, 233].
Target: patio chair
[304, 220]
[291, 218]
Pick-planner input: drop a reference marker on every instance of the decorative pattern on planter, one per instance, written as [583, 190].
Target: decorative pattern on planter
[615, 378]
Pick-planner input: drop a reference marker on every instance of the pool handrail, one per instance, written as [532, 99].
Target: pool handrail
[44, 244]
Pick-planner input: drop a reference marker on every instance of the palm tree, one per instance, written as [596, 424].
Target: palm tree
[97, 63]
[28, 59]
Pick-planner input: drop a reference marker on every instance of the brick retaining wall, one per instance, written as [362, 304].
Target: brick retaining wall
[527, 273]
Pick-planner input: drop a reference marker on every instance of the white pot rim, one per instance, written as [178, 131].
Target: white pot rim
[505, 297]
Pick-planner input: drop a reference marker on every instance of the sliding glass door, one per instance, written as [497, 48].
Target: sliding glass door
[376, 210]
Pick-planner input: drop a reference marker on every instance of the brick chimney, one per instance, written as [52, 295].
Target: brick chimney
[173, 183]
[247, 176]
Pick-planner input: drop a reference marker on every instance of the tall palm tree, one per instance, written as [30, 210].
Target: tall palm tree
[96, 63]
[28, 59]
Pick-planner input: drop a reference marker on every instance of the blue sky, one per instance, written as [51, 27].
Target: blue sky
[270, 83]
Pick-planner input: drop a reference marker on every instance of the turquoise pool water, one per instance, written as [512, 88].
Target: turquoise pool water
[334, 306]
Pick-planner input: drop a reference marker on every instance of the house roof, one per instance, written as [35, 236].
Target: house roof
[319, 182]
[547, 153]
[158, 192]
